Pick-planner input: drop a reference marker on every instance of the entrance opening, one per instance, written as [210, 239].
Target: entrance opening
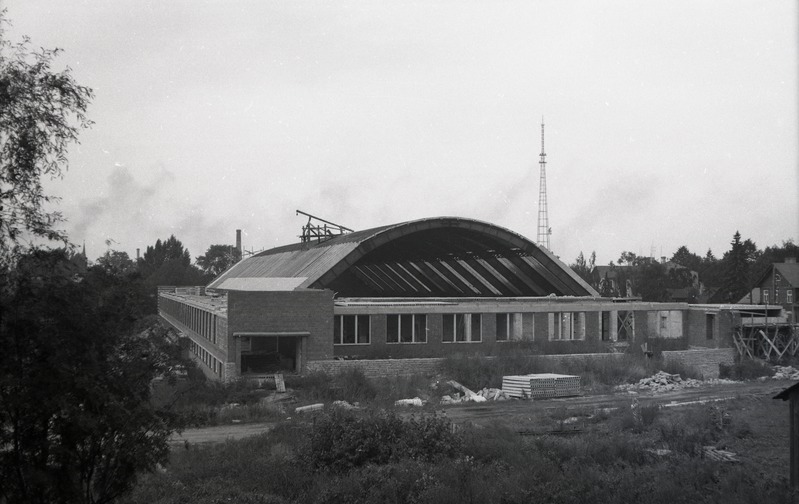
[268, 354]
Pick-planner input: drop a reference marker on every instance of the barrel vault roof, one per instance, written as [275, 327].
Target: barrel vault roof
[434, 257]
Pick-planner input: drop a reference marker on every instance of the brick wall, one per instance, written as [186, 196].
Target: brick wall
[382, 368]
[710, 328]
[705, 360]
[299, 311]
[535, 327]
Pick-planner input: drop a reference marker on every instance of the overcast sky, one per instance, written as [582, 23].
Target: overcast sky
[667, 123]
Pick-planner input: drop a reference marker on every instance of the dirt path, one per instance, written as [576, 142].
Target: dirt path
[519, 412]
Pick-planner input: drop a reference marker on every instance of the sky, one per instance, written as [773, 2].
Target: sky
[668, 123]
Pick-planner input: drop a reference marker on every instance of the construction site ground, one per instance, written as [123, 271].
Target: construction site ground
[761, 439]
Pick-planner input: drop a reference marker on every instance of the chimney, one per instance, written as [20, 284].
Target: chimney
[137, 254]
[238, 243]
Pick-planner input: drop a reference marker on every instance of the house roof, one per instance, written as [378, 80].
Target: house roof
[786, 394]
[442, 256]
[789, 271]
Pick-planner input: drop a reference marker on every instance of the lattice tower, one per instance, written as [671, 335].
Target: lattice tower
[543, 219]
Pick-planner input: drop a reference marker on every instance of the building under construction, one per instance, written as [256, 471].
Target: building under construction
[415, 290]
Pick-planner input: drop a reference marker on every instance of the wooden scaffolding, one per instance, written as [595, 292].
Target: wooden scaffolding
[769, 338]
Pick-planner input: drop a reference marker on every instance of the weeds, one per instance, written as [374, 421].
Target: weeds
[341, 440]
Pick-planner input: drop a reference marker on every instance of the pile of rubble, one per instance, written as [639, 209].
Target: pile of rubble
[486, 394]
[661, 382]
[785, 373]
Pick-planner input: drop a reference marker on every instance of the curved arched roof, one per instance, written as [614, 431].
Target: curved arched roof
[435, 257]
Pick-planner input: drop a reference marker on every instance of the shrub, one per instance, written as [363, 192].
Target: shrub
[341, 440]
[745, 369]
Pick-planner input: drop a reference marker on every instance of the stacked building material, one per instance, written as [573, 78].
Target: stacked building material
[541, 386]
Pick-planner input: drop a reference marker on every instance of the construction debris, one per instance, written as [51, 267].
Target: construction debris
[785, 373]
[661, 382]
[493, 394]
[486, 394]
[409, 402]
[468, 393]
[345, 405]
[714, 453]
[309, 408]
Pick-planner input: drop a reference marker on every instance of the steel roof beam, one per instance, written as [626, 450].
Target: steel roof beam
[442, 286]
[412, 278]
[522, 284]
[457, 285]
[369, 279]
[487, 271]
[391, 286]
[403, 276]
[528, 275]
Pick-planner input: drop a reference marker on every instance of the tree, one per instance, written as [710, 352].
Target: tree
[584, 269]
[169, 263]
[628, 259]
[686, 258]
[116, 263]
[76, 424]
[170, 249]
[41, 114]
[737, 262]
[217, 259]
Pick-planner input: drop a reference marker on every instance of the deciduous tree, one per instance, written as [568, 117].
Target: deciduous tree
[217, 259]
[75, 372]
[41, 113]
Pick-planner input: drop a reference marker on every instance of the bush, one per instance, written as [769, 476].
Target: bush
[341, 440]
[745, 369]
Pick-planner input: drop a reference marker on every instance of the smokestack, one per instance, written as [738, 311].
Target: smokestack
[137, 254]
[238, 243]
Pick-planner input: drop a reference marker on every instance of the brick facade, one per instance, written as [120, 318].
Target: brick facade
[305, 313]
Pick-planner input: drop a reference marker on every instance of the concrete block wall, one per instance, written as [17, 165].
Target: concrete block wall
[705, 360]
[386, 368]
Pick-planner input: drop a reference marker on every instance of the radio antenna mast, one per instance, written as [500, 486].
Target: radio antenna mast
[543, 219]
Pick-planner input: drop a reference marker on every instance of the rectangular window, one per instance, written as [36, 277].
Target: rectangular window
[351, 330]
[776, 295]
[503, 329]
[406, 328]
[509, 326]
[710, 326]
[789, 296]
[566, 326]
[765, 296]
[462, 328]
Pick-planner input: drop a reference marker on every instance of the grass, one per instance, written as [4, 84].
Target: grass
[426, 461]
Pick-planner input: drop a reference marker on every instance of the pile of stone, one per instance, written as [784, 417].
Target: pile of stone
[661, 382]
[785, 373]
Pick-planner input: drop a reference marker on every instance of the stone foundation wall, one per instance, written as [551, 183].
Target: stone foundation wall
[705, 360]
